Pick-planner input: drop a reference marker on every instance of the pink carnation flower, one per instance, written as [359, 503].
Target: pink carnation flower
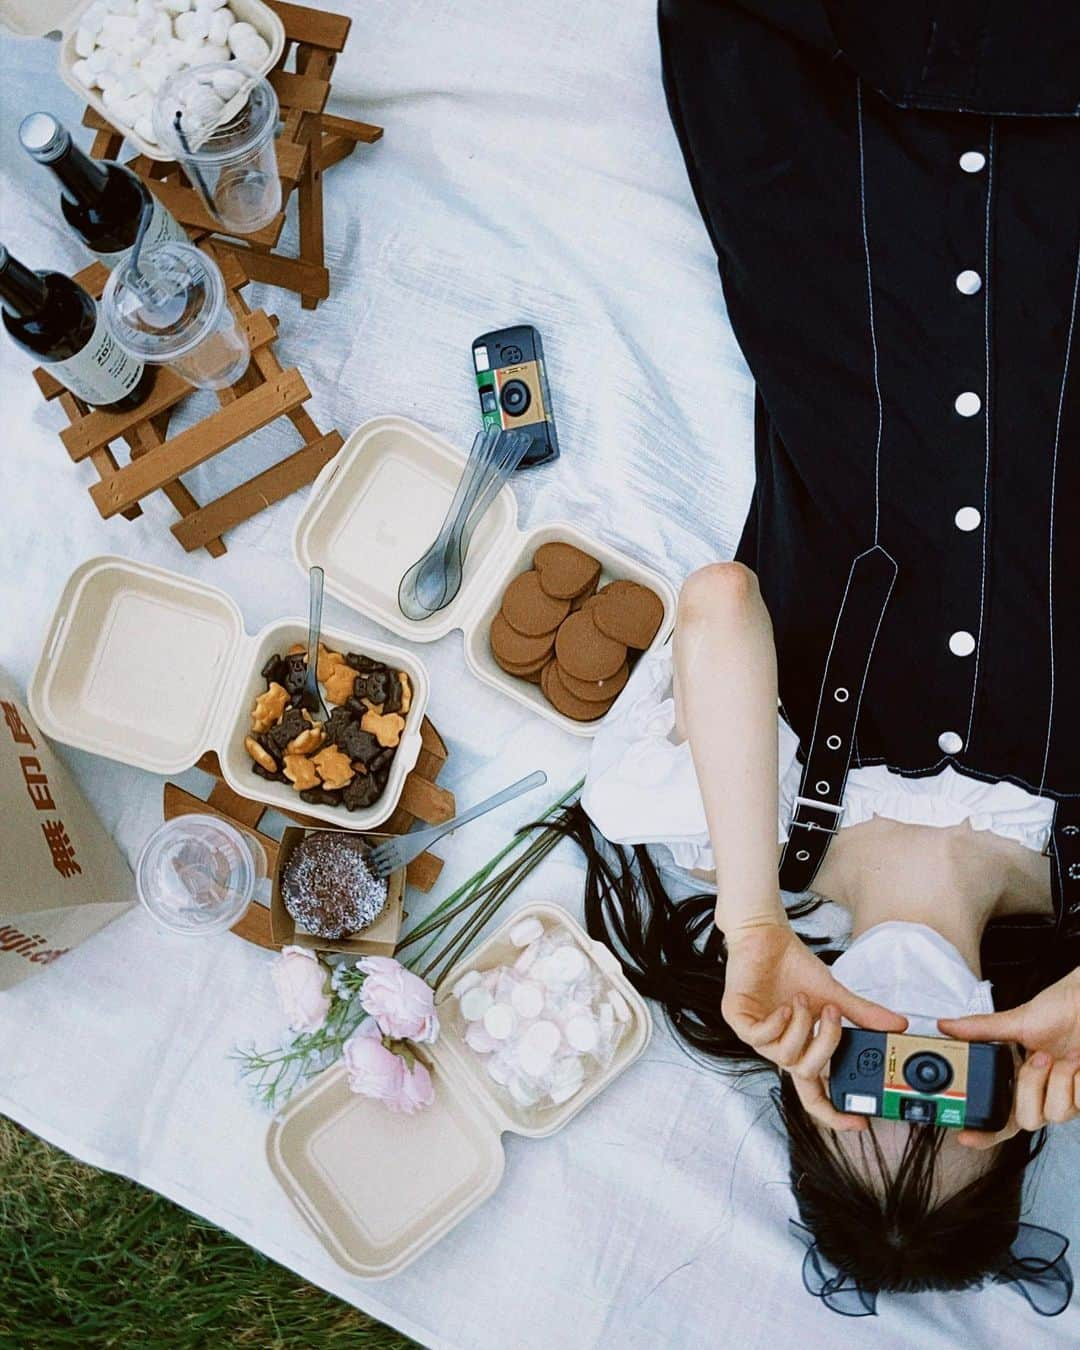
[301, 983]
[401, 1002]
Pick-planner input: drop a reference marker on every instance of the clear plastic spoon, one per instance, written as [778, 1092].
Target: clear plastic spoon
[435, 578]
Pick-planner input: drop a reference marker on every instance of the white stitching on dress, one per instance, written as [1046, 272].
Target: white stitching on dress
[870, 305]
[986, 432]
[1053, 503]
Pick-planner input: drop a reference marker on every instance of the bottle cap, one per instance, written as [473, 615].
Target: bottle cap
[43, 137]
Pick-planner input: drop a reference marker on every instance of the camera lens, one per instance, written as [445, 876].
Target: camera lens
[927, 1072]
[515, 397]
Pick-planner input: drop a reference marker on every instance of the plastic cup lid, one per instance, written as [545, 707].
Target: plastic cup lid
[168, 306]
[225, 108]
[197, 875]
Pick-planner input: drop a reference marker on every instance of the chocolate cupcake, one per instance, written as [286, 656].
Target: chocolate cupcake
[328, 887]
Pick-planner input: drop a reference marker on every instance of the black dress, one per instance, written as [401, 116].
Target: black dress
[893, 192]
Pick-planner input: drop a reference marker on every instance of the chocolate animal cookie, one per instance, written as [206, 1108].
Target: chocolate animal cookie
[364, 790]
[583, 651]
[527, 607]
[565, 572]
[563, 701]
[292, 723]
[628, 613]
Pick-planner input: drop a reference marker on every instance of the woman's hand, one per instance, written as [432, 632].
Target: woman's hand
[775, 991]
[1048, 1082]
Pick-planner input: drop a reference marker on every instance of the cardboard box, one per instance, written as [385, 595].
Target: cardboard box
[378, 939]
[61, 876]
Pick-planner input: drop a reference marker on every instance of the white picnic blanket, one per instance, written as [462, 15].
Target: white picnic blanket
[528, 173]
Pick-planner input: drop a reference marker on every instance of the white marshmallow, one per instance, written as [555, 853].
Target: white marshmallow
[499, 1021]
[153, 74]
[581, 1032]
[477, 1038]
[161, 29]
[247, 45]
[99, 59]
[528, 1000]
[117, 31]
[175, 6]
[567, 964]
[498, 1070]
[93, 16]
[207, 54]
[525, 961]
[138, 49]
[528, 930]
[83, 73]
[218, 28]
[120, 6]
[144, 127]
[227, 83]
[192, 26]
[125, 110]
[475, 1003]
[537, 1047]
[210, 5]
[241, 32]
[468, 981]
[85, 41]
[119, 90]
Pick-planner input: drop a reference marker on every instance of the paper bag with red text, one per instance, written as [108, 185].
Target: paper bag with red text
[61, 876]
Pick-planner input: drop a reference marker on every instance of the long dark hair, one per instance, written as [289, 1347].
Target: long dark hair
[881, 1223]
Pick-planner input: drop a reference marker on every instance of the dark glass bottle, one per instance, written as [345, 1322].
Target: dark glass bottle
[102, 201]
[54, 319]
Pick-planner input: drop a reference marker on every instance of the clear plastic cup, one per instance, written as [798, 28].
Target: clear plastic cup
[172, 309]
[219, 122]
[198, 874]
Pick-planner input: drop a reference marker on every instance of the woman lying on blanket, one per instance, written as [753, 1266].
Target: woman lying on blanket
[895, 204]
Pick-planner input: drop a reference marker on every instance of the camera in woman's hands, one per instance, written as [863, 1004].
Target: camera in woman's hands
[926, 1080]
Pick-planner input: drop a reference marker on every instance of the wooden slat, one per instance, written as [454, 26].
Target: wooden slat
[423, 872]
[148, 436]
[427, 802]
[351, 130]
[241, 809]
[100, 427]
[292, 274]
[199, 443]
[334, 150]
[290, 162]
[313, 25]
[305, 92]
[247, 500]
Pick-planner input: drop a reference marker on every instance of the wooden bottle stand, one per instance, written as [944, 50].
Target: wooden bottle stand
[311, 141]
[421, 799]
[265, 392]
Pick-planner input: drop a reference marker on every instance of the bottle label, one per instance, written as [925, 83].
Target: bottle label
[102, 372]
[162, 228]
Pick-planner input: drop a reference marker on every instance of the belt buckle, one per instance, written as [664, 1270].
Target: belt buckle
[837, 813]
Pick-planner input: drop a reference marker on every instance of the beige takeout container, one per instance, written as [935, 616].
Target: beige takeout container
[378, 1188]
[377, 939]
[46, 16]
[380, 503]
[153, 669]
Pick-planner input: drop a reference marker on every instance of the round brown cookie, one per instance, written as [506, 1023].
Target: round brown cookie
[563, 701]
[524, 671]
[628, 613]
[565, 571]
[508, 645]
[586, 653]
[584, 601]
[527, 607]
[595, 691]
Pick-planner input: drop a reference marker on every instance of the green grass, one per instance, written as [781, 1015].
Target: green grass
[92, 1260]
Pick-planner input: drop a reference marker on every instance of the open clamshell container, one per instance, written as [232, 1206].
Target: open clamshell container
[35, 18]
[378, 1188]
[379, 504]
[150, 668]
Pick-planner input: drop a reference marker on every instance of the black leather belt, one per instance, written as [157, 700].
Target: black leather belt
[819, 806]
[1064, 853]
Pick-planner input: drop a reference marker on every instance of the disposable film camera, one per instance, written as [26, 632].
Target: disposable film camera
[513, 388]
[927, 1080]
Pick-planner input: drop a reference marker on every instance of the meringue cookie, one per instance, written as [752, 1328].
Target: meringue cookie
[500, 1021]
[527, 931]
[475, 1003]
[528, 999]
[469, 980]
[582, 1032]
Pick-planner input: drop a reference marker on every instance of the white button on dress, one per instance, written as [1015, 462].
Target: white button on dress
[951, 742]
[973, 161]
[968, 403]
[968, 518]
[968, 282]
[961, 643]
